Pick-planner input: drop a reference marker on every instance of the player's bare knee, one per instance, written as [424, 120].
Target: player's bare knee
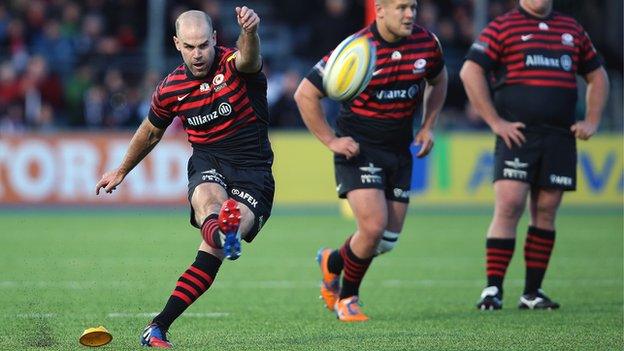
[387, 243]
[510, 210]
[373, 228]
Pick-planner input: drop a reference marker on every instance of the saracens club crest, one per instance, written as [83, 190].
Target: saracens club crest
[419, 66]
[218, 82]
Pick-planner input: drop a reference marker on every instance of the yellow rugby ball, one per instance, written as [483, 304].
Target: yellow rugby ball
[349, 68]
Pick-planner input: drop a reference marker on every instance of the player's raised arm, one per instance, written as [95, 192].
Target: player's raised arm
[248, 59]
[143, 141]
[308, 99]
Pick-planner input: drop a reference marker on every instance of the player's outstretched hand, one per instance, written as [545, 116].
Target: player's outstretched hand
[510, 132]
[344, 146]
[583, 129]
[109, 181]
[247, 18]
[424, 138]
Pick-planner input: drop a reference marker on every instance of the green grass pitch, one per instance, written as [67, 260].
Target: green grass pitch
[64, 271]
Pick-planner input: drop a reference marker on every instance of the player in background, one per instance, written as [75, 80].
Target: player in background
[371, 144]
[219, 94]
[534, 55]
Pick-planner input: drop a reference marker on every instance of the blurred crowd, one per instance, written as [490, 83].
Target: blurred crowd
[68, 64]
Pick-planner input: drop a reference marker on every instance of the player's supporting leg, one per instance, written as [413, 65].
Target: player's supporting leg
[190, 286]
[396, 218]
[510, 199]
[538, 247]
[370, 210]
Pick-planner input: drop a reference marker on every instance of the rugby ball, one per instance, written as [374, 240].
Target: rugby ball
[349, 68]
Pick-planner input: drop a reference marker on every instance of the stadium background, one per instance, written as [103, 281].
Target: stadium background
[75, 81]
[76, 78]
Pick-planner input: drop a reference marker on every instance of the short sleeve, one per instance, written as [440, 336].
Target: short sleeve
[589, 59]
[159, 115]
[437, 60]
[315, 76]
[486, 50]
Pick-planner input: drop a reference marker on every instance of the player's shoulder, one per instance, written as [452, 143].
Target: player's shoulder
[177, 75]
[505, 20]
[225, 54]
[419, 33]
[566, 20]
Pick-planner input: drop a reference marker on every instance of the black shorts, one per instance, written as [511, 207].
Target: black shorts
[377, 169]
[545, 160]
[253, 187]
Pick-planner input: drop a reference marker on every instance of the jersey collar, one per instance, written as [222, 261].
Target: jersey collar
[382, 41]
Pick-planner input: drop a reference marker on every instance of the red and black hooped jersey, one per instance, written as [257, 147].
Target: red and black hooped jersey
[534, 62]
[224, 113]
[383, 114]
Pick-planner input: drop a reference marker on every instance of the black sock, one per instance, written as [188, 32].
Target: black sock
[191, 284]
[498, 255]
[354, 270]
[537, 250]
[334, 262]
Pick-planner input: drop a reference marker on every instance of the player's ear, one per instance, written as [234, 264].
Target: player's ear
[379, 9]
[176, 41]
[214, 38]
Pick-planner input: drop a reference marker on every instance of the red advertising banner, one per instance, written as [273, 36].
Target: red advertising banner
[63, 168]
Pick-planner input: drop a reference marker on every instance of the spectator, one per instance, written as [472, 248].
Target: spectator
[284, 112]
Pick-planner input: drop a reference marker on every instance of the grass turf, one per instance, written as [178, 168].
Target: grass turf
[61, 272]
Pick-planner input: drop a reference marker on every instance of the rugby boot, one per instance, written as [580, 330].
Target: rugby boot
[229, 221]
[491, 299]
[348, 310]
[537, 301]
[330, 282]
[154, 336]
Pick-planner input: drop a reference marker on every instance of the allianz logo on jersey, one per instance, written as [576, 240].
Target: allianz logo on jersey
[564, 62]
[224, 109]
[397, 94]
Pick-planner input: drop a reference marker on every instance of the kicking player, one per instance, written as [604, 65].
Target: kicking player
[219, 94]
[534, 55]
[371, 144]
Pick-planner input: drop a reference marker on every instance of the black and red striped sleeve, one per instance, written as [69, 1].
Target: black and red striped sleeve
[589, 59]
[315, 76]
[486, 50]
[159, 115]
[437, 59]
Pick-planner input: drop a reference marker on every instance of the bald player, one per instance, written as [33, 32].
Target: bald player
[219, 94]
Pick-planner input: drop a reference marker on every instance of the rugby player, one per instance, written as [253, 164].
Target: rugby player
[371, 144]
[532, 55]
[219, 94]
